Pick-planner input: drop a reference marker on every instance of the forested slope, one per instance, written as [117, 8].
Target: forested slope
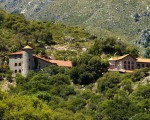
[87, 91]
[40, 96]
[16, 32]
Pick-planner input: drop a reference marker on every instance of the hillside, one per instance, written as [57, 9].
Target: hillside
[56, 39]
[86, 91]
[52, 95]
[127, 18]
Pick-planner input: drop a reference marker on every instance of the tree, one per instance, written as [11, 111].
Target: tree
[140, 116]
[143, 91]
[86, 78]
[126, 85]
[147, 53]
[60, 79]
[109, 80]
[113, 46]
[139, 74]
[76, 104]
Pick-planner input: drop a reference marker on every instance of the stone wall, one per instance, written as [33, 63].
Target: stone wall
[15, 63]
[42, 64]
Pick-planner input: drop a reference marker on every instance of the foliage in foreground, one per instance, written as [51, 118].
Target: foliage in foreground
[40, 96]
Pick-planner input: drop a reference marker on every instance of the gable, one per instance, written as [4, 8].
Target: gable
[128, 58]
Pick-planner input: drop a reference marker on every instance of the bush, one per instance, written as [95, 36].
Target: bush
[139, 74]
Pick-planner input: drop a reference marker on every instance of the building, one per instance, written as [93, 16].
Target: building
[24, 61]
[127, 63]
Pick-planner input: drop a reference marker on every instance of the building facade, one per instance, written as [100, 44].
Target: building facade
[24, 61]
[127, 62]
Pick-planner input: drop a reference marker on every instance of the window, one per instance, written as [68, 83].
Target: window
[128, 62]
[15, 71]
[125, 62]
[125, 67]
[132, 67]
[19, 71]
[142, 65]
[132, 62]
[129, 67]
[19, 64]
[29, 59]
[15, 64]
[147, 65]
[138, 65]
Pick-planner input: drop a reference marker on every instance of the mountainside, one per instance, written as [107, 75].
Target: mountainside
[57, 40]
[120, 16]
[128, 19]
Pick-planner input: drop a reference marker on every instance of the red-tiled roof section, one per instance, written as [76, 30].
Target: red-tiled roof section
[62, 63]
[47, 60]
[17, 53]
[57, 62]
[143, 60]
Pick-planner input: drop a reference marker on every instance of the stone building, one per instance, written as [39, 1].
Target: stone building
[24, 61]
[127, 63]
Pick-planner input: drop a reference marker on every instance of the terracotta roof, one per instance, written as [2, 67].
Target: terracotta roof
[47, 60]
[57, 62]
[28, 47]
[17, 53]
[118, 58]
[144, 60]
[62, 63]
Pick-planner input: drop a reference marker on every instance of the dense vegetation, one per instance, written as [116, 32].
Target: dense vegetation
[51, 95]
[87, 91]
[128, 19]
[16, 31]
